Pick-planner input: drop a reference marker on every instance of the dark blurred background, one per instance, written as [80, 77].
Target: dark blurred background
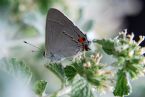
[136, 23]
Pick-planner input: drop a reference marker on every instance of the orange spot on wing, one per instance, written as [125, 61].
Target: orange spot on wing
[81, 39]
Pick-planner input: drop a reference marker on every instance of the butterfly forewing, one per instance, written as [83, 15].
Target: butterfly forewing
[61, 36]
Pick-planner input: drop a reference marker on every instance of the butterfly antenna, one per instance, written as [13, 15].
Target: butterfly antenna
[35, 47]
[31, 44]
[34, 51]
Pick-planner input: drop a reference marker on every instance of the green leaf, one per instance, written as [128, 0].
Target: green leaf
[29, 31]
[80, 88]
[107, 45]
[122, 86]
[58, 70]
[94, 81]
[16, 69]
[70, 72]
[39, 87]
[78, 66]
[134, 70]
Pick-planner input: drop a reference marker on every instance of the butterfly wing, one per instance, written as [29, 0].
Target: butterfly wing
[58, 44]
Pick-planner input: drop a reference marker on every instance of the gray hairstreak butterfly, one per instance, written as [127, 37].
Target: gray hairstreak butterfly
[62, 38]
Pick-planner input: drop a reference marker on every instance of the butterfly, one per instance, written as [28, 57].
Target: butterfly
[62, 38]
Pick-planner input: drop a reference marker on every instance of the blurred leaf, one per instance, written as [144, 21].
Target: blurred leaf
[58, 70]
[80, 14]
[15, 7]
[29, 31]
[39, 87]
[44, 5]
[70, 72]
[122, 86]
[4, 3]
[88, 25]
[25, 31]
[54, 95]
[80, 88]
[40, 53]
[107, 45]
[16, 68]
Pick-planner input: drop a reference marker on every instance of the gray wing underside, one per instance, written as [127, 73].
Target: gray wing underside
[58, 17]
[58, 45]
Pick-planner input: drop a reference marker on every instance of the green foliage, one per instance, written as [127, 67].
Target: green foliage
[41, 52]
[58, 70]
[29, 31]
[107, 46]
[16, 69]
[44, 5]
[86, 73]
[82, 74]
[4, 3]
[19, 12]
[129, 60]
[39, 87]
[70, 72]
[80, 88]
[122, 86]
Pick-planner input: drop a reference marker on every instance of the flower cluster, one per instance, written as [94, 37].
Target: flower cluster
[129, 60]
[86, 74]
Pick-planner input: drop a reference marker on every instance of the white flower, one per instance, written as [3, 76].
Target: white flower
[131, 53]
[141, 39]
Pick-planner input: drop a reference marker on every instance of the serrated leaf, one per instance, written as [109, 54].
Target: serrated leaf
[80, 88]
[78, 66]
[58, 70]
[122, 86]
[94, 81]
[107, 45]
[134, 70]
[39, 87]
[70, 72]
[16, 69]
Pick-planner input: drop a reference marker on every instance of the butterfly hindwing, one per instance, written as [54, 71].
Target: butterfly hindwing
[61, 35]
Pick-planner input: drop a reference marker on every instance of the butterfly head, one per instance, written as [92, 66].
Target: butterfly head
[84, 42]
